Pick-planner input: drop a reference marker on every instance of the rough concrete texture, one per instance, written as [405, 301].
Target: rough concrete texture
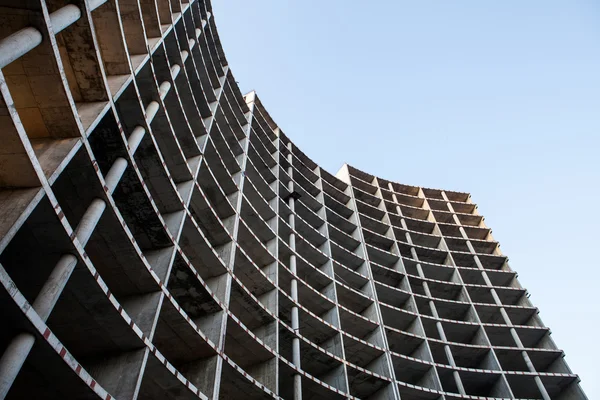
[162, 238]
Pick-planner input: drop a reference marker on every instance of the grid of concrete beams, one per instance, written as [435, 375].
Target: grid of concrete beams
[162, 238]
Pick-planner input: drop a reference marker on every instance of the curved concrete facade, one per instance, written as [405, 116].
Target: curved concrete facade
[162, 238]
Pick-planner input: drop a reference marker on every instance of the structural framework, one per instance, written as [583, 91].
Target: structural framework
[161, 238]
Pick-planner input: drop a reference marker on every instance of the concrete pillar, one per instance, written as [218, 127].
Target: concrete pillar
[498, 302]
[541, 388]
[12, 360]
[48, 296]
[294, 286]
[89, 221]
[151, 111]
[93, 4]
[184, 55]
[21, 42]
[164, 88]
[438, 324]
[175, 71]
[64, 17]
[135, 138]
[18, 44]
[17, 351]
[420, 272]
[115, 173]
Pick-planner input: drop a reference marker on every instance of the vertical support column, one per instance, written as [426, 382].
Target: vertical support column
[374, 288]
[275, 278]
[134, 140]
[18, 349]
[333, 277]
[462, 283]
[498, 301]
[209, 121]
[236, 224]
[421, 274]
[12, 360]
[431, 303]
[294, 283]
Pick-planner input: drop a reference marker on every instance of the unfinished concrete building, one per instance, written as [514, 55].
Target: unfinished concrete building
[162, 238]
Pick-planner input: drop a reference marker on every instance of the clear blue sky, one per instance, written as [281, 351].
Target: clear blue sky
[499, 99]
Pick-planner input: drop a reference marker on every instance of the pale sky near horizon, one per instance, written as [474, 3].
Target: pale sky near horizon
[499, 99]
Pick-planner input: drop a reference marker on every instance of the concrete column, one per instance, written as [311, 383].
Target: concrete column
[438, 324]
[135, 138]
[115, 173]
[175, 69]
[17, 351]
[164, 88]
[64, 17]
[184, 55]
[18, 44]
[48, 296]
[541, 387]
[498, 301]
[23, 41]
[69, 14]
[93, 4]
[151, 111]
[447, 348]
[436, 378]
[90, 219]
[12, 360]
[365, 255]
[294, 286]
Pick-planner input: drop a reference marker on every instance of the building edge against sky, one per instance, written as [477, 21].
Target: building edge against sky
[161, 237]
